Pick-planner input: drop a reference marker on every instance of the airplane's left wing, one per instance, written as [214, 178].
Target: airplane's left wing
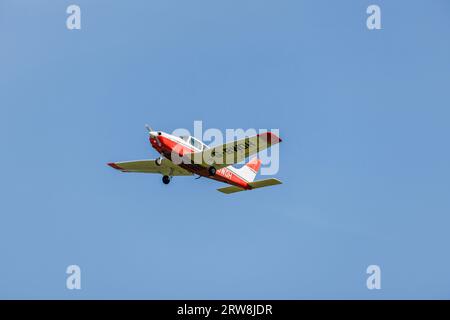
[235, 151]
[167, 167]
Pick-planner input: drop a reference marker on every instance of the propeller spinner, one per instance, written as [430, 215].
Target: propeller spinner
[153, 134]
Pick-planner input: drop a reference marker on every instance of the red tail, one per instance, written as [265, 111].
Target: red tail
[254, 164]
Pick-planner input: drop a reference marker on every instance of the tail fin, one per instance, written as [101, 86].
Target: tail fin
[250, 169]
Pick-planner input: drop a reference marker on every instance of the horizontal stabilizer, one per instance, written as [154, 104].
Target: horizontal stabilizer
[264, 183]
[231, 189]
[253, 185]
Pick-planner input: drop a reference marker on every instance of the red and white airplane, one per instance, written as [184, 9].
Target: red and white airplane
[185, 156]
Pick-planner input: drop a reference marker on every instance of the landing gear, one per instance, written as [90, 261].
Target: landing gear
[158, 161]
[166, 179]
[212, 171]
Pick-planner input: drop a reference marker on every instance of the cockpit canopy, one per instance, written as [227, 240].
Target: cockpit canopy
[194, 142]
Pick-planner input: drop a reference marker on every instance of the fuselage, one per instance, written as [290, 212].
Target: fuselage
[168, 145]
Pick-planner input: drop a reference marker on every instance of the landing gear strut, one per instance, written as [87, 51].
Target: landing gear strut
[166, 179]
[212, 171]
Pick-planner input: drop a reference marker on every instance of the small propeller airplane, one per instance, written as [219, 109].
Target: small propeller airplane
[186, 156]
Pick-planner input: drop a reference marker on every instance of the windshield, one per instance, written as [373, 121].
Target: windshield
[196, 143]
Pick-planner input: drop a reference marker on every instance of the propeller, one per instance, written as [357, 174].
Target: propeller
[150, 130]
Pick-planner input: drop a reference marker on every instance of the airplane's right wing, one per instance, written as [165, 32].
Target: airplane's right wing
[167, 167]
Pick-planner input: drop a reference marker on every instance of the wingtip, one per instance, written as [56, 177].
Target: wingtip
[272, 137]
[114, 166]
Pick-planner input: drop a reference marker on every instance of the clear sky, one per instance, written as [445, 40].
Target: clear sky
[364, 116]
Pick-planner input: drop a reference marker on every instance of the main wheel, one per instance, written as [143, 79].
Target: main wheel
[166, 179]
[212, 171]
[158, 161]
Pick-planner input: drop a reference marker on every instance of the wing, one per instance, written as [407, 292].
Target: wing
[167, 167]
[234, 152]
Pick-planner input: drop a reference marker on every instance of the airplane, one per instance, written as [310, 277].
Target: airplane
[187, 156]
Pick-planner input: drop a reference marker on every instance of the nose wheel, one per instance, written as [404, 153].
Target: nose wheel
[166, 179]
[158, 161]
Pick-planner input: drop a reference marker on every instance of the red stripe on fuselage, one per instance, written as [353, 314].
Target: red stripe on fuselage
[231, 178]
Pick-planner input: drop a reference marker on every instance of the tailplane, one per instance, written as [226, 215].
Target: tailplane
[253, 185]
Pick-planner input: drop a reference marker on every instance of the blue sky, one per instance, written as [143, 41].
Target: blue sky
[364, 117]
